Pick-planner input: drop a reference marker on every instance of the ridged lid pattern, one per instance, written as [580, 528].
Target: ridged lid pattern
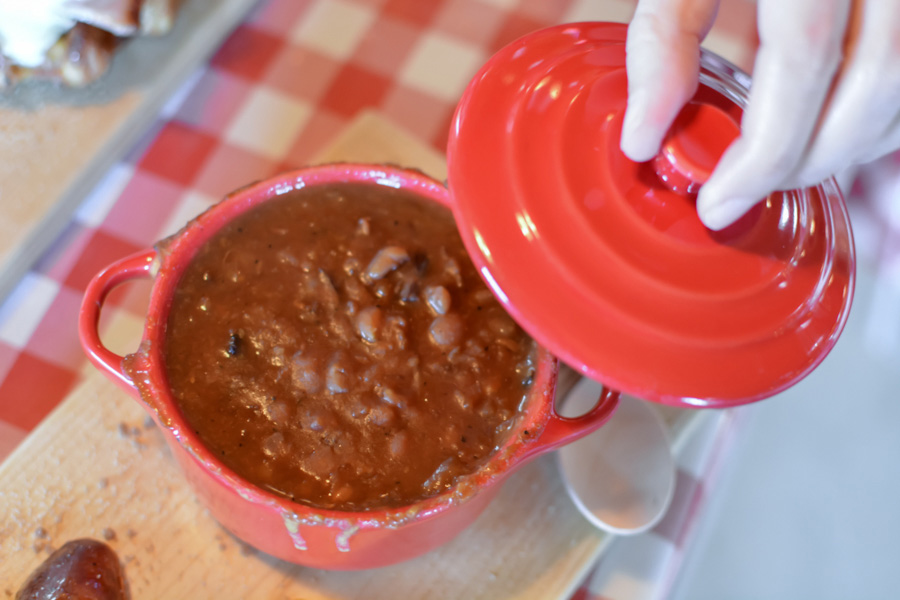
[605, 261]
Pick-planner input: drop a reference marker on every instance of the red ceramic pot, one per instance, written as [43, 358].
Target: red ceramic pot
[295, 532]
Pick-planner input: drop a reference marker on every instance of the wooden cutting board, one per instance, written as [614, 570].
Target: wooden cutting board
[98, 467]
[55, 144]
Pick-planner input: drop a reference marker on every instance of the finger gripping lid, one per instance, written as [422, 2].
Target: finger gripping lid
[605, 261]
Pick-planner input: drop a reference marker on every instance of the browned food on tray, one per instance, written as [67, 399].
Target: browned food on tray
[119, 17]
[83, 569]
[79, 57]
[83, 52]
[337, 346]
[157, 17]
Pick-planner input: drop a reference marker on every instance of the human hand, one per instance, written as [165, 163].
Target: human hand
[825, 93]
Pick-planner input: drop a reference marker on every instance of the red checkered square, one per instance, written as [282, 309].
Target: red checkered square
[56, 337]
[279, 16]
[302, 73]
[100, 251]
[386, 45]
[317, 134]
[229, 168]
[424, 115]
[31, 389]
[178, 152]
[416, 12]
[442, 134]
[470, 20]
[513, 27]
[584, 593]
[370, 3]
[146, 140]
[248, 52]
[142, 209]
[353, 89]
[541, 10]
[214, 101]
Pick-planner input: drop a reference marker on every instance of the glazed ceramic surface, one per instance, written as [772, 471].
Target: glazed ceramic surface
[291, 531]
[605, 261]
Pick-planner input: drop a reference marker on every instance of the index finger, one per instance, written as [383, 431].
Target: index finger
[663, 64]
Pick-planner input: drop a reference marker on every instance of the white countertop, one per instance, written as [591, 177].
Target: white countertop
[809, 503]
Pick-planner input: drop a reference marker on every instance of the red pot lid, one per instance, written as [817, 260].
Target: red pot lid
[605, 261]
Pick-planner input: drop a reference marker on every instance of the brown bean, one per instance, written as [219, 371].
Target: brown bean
[462, 400]
[341, 494]
[274, 445]
[386, 260]
[399, 444]
[318, 419]
[337, 379]
[328, 292]
[305, 373]
[502, 326]
[446, 330]
[507, 343]
[451, 269]
[395, 332]
[483, 297]
[322, 462]
[392, 397]
[383, 415]
[407, 286]
[369, 322]
[277, 411]
[438, 299]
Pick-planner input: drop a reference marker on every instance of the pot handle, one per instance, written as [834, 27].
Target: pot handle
[130, 267]
[560, 430]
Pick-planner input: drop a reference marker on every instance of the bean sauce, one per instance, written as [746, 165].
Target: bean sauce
[336, 345]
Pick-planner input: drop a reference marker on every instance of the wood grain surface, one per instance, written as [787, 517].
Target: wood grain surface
[98, 468]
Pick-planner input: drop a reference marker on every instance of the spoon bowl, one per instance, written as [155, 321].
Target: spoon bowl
[622, 476]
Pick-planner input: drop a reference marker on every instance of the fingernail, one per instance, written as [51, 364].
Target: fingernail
[638, 139]
[717, 214]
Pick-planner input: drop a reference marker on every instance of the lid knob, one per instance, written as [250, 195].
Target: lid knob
[696, 141]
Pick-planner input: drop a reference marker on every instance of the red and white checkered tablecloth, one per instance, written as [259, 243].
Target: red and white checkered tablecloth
[279, 89]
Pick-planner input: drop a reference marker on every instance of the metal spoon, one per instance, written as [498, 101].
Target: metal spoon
[622, 476]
